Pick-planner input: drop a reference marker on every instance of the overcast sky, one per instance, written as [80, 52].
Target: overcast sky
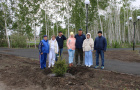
[136, 3]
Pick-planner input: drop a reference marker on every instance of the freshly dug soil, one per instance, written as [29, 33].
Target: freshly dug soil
[23, 73]
[123, 55]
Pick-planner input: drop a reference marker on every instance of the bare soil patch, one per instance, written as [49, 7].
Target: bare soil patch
[24, 73]
[123, 55]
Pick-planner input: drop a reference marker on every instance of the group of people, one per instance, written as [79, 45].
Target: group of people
[77, 45]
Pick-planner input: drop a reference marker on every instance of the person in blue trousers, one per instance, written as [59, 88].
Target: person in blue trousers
[71, 48]
[88, 46]
[43, 51]
[100, 45]
[60, 40]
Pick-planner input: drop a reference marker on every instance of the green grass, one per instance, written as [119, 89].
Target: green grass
[122, 45]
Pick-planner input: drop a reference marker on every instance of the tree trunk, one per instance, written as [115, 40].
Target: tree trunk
[68, 27]
[8, 41]
[35, 33]
[45, 22]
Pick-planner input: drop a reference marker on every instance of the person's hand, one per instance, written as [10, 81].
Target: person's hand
[61, 33]
[41, 53]
[95, 50]
[70, 49]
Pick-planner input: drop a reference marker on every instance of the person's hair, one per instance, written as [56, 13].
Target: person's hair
[99, 32]
[43, 37]
[53, 36]
[60, 31]
[80, 30]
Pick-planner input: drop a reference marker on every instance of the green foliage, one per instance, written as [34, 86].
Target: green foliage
[121, 45]
[60, 67]
[115, 44]
[3, 43]
[18, 41]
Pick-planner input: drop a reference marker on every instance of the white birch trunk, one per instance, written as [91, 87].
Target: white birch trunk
[35, 34]
[45, 22]
[6, 31]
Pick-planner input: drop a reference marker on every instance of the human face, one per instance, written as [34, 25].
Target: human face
[46, 38]
[99, 34]
[72, 35]
[53, 38]
[88, 36]
[80, 32]
[60, 34]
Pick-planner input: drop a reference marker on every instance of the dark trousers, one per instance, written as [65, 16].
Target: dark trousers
[77, 52]
[59, 54]
[99, 52]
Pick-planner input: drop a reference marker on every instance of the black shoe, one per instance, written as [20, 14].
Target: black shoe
[79, 65]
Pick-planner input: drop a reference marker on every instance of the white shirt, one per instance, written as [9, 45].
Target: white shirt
[52, 44]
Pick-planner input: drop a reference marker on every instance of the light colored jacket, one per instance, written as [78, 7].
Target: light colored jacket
[71, 43]
[88, 44]
[54, 45]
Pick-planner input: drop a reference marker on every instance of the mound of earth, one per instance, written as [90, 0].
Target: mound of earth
[24, 73]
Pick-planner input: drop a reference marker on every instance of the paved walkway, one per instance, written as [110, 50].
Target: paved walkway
[111, 65]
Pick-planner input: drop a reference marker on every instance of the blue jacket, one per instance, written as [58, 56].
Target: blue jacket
[100, 43]
[44, 46]
[60, 41]
[79, 41]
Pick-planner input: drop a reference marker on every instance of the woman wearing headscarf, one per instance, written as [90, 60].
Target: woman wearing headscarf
[53, 51]
[71, 48]
[88, 46]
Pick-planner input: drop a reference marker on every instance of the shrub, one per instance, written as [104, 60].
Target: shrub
[18, 41]
[116, 44]
[60, 67]
[3, 43]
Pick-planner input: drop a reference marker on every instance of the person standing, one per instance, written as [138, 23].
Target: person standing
[60, 39]
[53, 51]
[43, 51]
[71, 48]
[88, 46]
[80, 37]
[100, 45]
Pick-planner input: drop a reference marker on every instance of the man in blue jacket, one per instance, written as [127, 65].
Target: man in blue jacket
[60, 39]
[43, 51]
[100, 45]
[80, 37]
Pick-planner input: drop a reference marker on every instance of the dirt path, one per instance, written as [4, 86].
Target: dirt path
[18, 73]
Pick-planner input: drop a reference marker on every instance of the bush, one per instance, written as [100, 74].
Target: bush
[18, 41]
[116, 44]
[60, 68]
[3, 43]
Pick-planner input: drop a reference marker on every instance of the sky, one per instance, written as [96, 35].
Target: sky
[136, 3]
